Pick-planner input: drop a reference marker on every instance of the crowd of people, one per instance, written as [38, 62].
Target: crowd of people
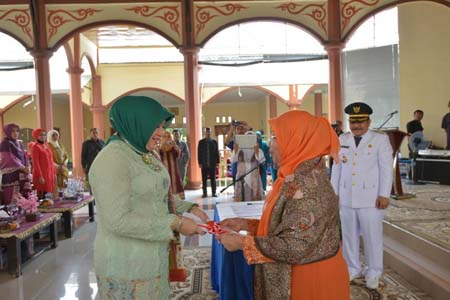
[306, 245]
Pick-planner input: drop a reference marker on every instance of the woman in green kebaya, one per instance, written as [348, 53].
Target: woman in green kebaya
[136, 216]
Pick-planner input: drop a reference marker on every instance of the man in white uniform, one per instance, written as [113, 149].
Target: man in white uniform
[363, 182]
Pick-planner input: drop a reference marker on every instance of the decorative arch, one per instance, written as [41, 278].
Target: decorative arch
[90, 61]
[278, 97]
[301, 26]
[85, 27]
[69, 54]
[15, 102]
[144, 89]
[311, 88]
[17, 38]
[373, 12]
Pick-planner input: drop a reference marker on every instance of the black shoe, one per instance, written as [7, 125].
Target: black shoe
[214, 195]
[204, 196]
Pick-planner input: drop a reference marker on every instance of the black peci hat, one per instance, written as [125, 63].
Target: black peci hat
[358, 112]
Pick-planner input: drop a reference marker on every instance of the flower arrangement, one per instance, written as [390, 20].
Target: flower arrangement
[29, 204]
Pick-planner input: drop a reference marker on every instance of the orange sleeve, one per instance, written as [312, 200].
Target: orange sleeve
[251, 253]
[252, 225]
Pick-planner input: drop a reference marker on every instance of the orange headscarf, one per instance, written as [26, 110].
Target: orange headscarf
[35, 133]
[300, 137]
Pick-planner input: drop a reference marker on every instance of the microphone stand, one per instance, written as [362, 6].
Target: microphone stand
[391, 115]
[241, 179]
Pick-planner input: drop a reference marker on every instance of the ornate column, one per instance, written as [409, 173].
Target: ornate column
[318, 104]
[43, 89]
[335, 81]
[334, 48]
[294, 102]
[76, 119]
[98, 110]
[193, 113]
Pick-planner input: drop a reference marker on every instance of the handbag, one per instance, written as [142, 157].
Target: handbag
[177, 272]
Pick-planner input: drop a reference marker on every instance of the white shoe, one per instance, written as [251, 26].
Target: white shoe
[372, 282]
[353, 277]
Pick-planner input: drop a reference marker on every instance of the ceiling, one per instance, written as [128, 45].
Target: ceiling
[124, 36]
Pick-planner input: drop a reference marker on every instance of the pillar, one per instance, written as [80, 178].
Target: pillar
[294, 102]
[98, 117]
[98, 110]
[2, 123]
[272, 106]
[44, 103]
[76, 119]
[193, 114]
[335, 100]
[318, 111]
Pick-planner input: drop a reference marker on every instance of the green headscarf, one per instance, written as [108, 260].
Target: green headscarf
[135, 118]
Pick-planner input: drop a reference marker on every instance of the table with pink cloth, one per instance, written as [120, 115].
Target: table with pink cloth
[67, 208]
[13, 239]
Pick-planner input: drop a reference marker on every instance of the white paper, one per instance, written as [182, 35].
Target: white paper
[251, 209]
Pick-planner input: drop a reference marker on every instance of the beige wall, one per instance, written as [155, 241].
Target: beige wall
[308, 104]
[253, 112]
[25, 117]
[424, 30]
[118, 79]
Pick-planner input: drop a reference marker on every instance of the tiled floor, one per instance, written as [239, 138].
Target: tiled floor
[67, 271]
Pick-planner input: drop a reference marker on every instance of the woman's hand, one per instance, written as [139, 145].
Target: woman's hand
[197, 211]
[235, 224]
[231, 241]
[189, 227]
[26, 170]
[41, 180]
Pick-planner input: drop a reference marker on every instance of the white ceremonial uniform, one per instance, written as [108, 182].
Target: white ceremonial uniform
[362, 174]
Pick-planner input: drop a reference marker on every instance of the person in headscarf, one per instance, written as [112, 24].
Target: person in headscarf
[43, 165]
[60, 158]
[268, 161]
[136, 217]
[295, 246]
[248, 186]
[169, 152]
[14, 165]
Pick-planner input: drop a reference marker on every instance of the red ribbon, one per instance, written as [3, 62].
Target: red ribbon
[213, 228]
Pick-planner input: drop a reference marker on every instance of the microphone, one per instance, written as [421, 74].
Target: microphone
[393, 113]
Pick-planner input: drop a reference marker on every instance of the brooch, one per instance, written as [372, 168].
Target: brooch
[370, 146]
[344, 159]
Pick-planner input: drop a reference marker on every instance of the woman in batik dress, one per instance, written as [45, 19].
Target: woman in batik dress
[60, 158]
[295, 246]
[169, 152]
[14, 165]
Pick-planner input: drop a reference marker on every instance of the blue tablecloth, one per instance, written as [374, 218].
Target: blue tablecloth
[231, 276]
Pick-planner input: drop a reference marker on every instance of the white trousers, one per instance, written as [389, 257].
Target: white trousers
[367, 222]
